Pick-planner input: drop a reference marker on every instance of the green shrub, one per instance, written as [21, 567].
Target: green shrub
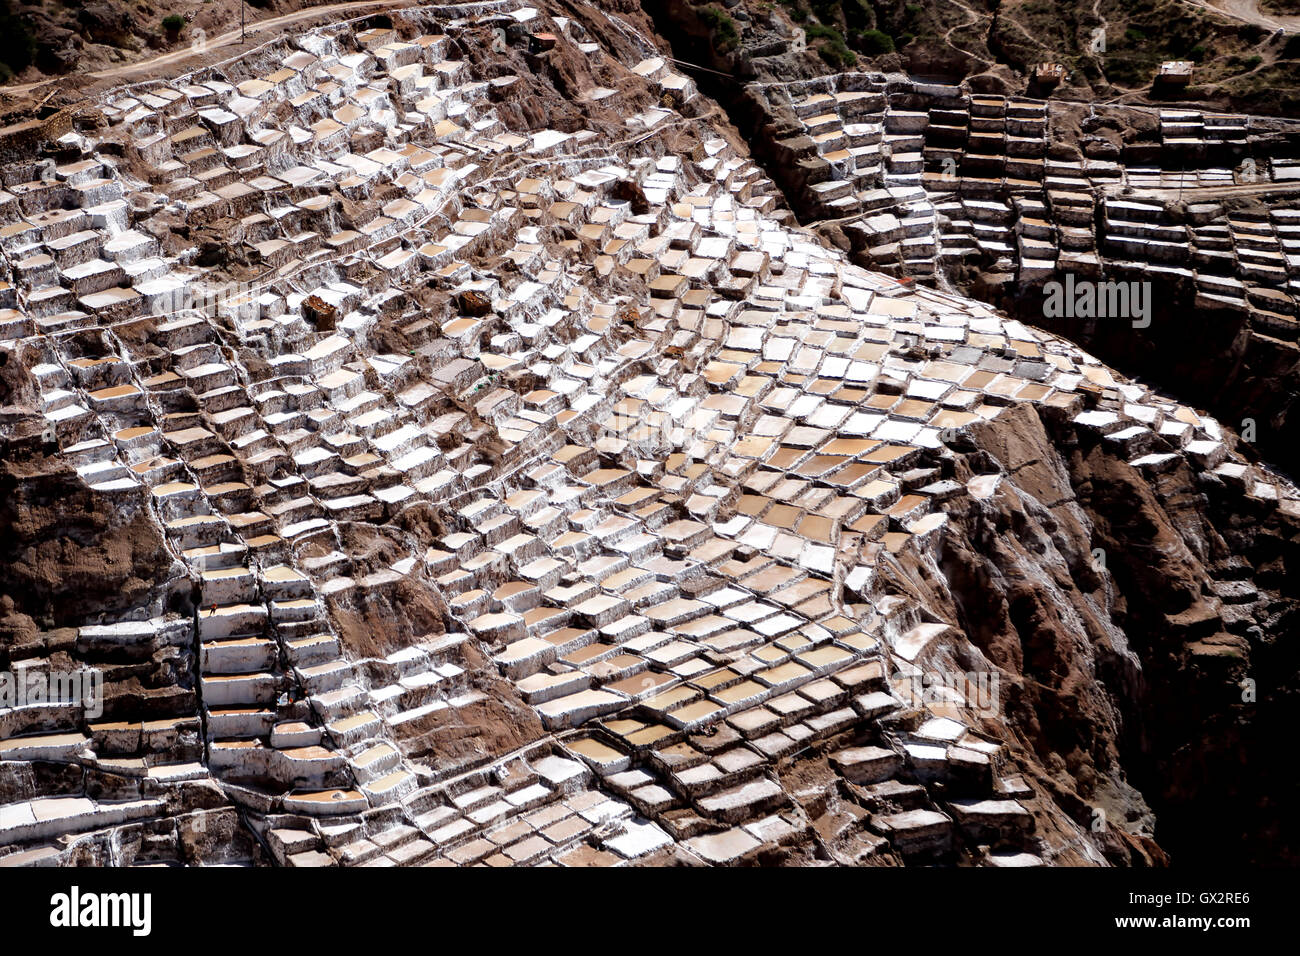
[859, 15]
[826, 10]
[875, 43]
[834, 51]
[721, 26]
[837, 56]
[173, 23]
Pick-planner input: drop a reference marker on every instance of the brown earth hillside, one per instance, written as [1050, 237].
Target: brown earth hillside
[1110, 50]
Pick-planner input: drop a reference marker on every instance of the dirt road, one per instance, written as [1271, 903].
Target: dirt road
[254, 32]
[1205, 192]
[1248, 11]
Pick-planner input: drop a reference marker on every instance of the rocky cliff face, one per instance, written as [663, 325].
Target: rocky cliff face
[70, 555]
[1141, 621]
[68, 551]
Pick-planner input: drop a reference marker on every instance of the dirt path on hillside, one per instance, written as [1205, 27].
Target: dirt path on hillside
[1189, 193]
[253, 33]
[1248, 11]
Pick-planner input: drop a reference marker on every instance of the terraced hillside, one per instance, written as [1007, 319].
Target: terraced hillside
[447, 449]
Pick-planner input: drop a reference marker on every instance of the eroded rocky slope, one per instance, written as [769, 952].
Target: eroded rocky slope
[438, 437]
